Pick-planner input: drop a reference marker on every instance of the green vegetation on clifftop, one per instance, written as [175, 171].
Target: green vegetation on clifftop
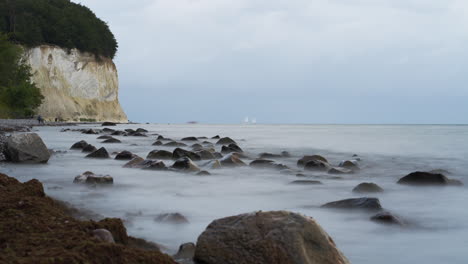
[56, 22]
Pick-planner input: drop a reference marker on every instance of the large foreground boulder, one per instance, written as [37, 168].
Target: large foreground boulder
[26, 148]
[276, 237]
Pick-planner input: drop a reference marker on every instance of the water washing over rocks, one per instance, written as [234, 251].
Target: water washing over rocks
[246, 169]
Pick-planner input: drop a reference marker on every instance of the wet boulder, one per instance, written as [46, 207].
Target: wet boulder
[112, 140]
[388, 218]
[203, 173]
[367, 187]
[225, 141]
[216, 137]
[232, 160]
[205, 154]
[267, 164]
[214, 164]
[268, 156]
[90, 132]
[108, 124]
[134, 163]
[160, 154]
[350, 164]
[424, 178]
[302, 162]
[108, 130]
[141, 130]
[231, 148]
[174, 144]
[26, 148]
[118, 133]
[196, 147]
[93, 179]
[153, 165]
[157, 143]
[306, 182]
[316, 165]
[186, 252]
[79, 145]
[340, 171]
[364, 203]
[276, 237]
[189, 139]
[89, 148]
[99, 154]
[172, 218]
[105, 137]
[180, 153]
[124, 155]
[185, 164]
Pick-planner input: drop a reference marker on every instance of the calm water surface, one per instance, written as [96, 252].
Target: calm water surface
[438, 216]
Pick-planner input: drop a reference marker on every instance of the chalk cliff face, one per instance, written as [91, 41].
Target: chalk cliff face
[76, 85]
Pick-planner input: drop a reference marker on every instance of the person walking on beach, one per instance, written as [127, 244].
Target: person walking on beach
[40, 119]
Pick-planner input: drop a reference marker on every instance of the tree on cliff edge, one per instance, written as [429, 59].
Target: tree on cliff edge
[19, 97]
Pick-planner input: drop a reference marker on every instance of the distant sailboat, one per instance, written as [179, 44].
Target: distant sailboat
[246, 120]
[254, 121]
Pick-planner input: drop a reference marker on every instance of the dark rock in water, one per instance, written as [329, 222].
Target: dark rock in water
[276, 237]
[134, 163]
[141, 130]
[197, 147]
[300, 175]
[108, 130]
[118, 133]
[306, 182]
[157, 143]
[218, 155]
[216, 137]
[340, 171]
[316, 165]
[350, 164]
[160, 137]
[185, 164]
[232, 160]
[203, 173]
[424, 178]
[112, 140]
[268, 156]
[206, 155]
[231, 148]
[26, 148]
[103, 235]
[89, 148]
[99, 154]
[160, 154]
[91, 178]
[302, 162]
[225, 141]
[137, 134]
[105, 137]
[355, 203]
[387, 218]
[90, 132]
[174, 144]
[285, 154]
[153, 165]
[108, 124]
[129, 130]
[189, 139]
[173, 218]
[186, 252]
[262, 163]
[180, 153]
[124, 155]
[367, 187]
[79, 145]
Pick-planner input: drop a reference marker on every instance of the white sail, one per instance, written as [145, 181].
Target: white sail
[246, 120]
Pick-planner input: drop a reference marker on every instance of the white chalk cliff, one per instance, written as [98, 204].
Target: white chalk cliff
[75, 84]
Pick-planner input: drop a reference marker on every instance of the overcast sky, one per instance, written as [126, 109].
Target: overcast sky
[291, 61]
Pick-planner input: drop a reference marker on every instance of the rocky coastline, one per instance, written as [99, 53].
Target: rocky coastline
[254, 237]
